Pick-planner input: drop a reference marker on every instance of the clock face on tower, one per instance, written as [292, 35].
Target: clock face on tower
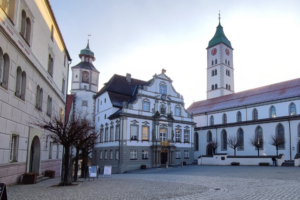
[214, 51]
[227, 52]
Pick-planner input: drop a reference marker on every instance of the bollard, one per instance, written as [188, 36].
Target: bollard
[167, 164]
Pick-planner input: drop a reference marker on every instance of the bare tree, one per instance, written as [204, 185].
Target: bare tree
[257, 142]
[276, 141]
[86, 150]
[214, 144]
[234, 142]
[65, 134]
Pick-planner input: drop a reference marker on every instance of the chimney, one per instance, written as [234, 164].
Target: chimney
[128, 78]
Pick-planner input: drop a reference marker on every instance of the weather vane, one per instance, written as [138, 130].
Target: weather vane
[89, 35]
[219, 16]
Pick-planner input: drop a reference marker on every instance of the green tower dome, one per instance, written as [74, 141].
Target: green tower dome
[87, 52]
[219, 37]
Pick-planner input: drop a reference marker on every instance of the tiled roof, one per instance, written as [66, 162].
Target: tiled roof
[267, 93]
[86, 65]
[69, 106]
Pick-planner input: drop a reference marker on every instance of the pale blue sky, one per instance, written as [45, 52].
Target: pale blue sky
[143, 36]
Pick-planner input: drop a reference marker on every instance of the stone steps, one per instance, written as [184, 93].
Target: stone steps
[41, 178]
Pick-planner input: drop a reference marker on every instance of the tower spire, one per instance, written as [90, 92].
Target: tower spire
[219, 17]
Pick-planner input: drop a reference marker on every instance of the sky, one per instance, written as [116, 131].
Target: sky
[141, 37]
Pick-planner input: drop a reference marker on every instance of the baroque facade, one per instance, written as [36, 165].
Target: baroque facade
[33, 84]
[142, 123]
[259, 113]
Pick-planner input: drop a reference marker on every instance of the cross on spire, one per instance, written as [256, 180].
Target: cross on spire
[219, 17]
[89, 35]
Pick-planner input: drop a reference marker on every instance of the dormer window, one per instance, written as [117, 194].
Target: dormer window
[177, 111]
[163, 89]
[146, 106]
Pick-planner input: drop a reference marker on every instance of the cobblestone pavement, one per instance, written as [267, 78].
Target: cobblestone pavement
[189, 182]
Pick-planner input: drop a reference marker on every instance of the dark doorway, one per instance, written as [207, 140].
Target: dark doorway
[209, 150]
[34, 165]
[164, 157]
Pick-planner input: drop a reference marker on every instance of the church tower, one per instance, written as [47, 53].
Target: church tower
[85, 78]
[220, 76]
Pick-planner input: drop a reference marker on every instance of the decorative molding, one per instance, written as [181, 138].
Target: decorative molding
[134, 122]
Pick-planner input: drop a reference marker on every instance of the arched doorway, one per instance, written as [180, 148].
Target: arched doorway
[35, 149]
[209, 150]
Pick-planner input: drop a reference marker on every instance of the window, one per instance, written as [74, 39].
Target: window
[146, 106]
[186, 154]
[216, 61]
[8, 7]
[111, 154]
[105, 155]
[239, 116]
[98, 106]
[101, 135]
[228, 63]
[133, 154]
[52, 32]
[163, 134]
[229, 87]
[212, 87]
[259, 135]
[105, 100]
[254, 114]
[196, 139]
[84, 103]
[144, 154]
[177, 111]
[100, 156]
[134, 132]
[163, 109]
[272, 112]
[63, 86]
[212, 72]
[212, 120]
[178, 135]
[209, 136]
[57, 151]
[226, 86]
[65, 60]
[224, 119]
[212, 62]
[13, 148]
[228, 72]
[163, 89]
[216, 72]
[292, 109]
[224, 140]
[50, 150]
[145, 132]
[111, 133]
[186, 136]
[20, 84]
[106, 135]
[177, 154]
[37, 98]
[280, 134]
[105, 116]
[216, 86]
[50, 65]
[240, 137]
[4, 69]
[117, 132]
[49, 106]
[117, 154]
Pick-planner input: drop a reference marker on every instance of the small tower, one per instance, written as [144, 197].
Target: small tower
[85, 78]
[220, 76]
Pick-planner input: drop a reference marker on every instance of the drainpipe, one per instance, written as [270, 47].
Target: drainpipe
[290, 140]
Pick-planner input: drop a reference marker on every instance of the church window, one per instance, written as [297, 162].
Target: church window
[239, 116]
[209, 136]
[224, 140]
[254, 114]
[212, 121]
[196, 139]
[111, 133]
[177, 111]
[178, 135]
[134, 132]
[50, 65]
[146, 106]
[4, 69]
[186, 135]
[212, 87]
[163, 134]
[216, 72]
[145, 132]
[240, 137]
[224, 119]
[292, 109]
[162, 89]
[85, 77]
[272, 112]
[216, 61]
[280, 134]
[259, 135]
[216, 86]
[212, 72]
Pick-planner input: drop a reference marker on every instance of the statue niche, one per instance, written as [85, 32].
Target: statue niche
[85, 77]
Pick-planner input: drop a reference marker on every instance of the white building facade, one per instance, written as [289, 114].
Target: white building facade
[33, 84]
[261, 112]
[142, 123]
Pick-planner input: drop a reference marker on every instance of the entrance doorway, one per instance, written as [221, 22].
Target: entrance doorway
[164, 156]
[209, 150]
[34, 165]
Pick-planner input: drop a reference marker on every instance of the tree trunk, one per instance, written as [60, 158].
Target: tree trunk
[277, 150]
[83, 165]
[76, 165]
[65, 180]
[258, 151]
[234, 151]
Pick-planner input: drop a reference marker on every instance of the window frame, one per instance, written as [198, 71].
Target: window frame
[177, 108]
[100, 155]
[13, 148]
[106, 134]
[290, 109]
[105, 155]
[133, 154]
[186, 154]
[148, 128]
[111, 156]
[196, 141]
[224, 118]
[254, 114]
[272, 112]
[281, 147]
[145, 154]
[186, 136]
[161, 86]
[143, 106]
[4, 69]
[50, 150]
[209, 136]
[111, 133]
[224, 140]
[163, 137]
[261, 136]
[131, 133]
[241, 148]
[238, 116]
[177, 154]
[117, 155]
[212, 120]
[177, 135]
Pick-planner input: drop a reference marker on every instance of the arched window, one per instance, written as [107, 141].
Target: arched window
[28, 30]
[212, 72]
[292, 109]
[212, 120]
[23, 24]
[240, 137]
[216, 72]
[212, 87]
[223, 140]
[18, 82]
[259, 135]
[196, 139]
[85, 77]
[23, 86]
[216, 86]
[228, 63]
[41, 99]
[50, 65]
[224, 119]
[216, 61]
[4, 69]
[212, 62]
[226, 86]
[254, 114]
[239, 116]
[228, 72]
[272, 112]
[280, 134]
[49, 106]
[37, 97]
[209, 136]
